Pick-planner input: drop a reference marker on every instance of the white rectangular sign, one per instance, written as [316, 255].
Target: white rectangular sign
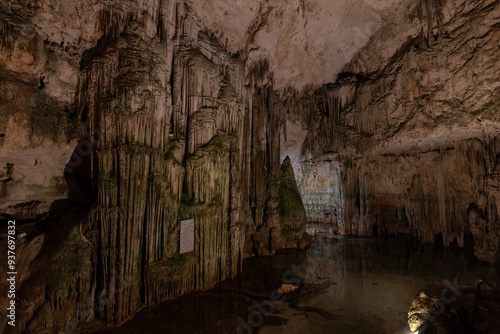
[186, 240]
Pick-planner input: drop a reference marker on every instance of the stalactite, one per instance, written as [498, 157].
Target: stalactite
[413, 161]
[430, 196]
[177, 140]
[431, 12]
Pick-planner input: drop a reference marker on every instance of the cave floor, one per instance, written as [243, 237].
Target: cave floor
[344, 285]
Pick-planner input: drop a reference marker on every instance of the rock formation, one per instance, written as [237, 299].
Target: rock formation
[170, 129]
[121, 118]
[416, 134]
[292, 212]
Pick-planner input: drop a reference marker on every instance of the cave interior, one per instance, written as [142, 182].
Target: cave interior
[259, 166]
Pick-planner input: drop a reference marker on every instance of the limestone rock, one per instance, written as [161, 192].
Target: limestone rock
[292, 212]
[35, 145]
[155, 111]
[416, 133]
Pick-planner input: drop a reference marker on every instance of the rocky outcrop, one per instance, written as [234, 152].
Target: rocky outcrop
[54, 281]
[35, 145]
[292, 212]
[177, 128]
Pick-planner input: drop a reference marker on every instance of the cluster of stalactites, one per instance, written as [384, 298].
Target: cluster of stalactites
[450, 192]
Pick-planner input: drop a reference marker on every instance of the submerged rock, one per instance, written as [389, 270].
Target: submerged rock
[286, 288]
[421, 311]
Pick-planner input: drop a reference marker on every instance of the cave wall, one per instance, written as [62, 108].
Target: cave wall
[447, 193]
[170, 126]
[36, 143]
[320, 181]
[416, 133]
[141, 113]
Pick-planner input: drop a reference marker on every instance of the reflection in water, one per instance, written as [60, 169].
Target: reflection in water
[346, 285]
[364, 284]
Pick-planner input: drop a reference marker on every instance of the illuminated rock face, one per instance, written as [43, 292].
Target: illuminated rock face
[416, 140]
[176, 129]
[154, 112]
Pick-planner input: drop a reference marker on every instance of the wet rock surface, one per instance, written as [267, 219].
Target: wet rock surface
[460, 309]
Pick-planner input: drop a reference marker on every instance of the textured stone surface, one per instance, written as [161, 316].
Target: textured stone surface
[168, 128]
[292, 212]
[54, 286]
[416, 134]
[320, 184]
[35, 145]
[307, 42]
[155, 111]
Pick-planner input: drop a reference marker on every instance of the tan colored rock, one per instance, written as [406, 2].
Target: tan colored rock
[286, 288]
[416, 134]
[189, 109]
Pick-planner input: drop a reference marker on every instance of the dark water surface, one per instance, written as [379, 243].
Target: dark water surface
[345, 285]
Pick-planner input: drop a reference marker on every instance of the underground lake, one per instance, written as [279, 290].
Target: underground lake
[344, 285]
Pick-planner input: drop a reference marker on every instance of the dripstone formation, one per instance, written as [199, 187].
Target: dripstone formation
[412, 141]
[173, 128]
[122, 118]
